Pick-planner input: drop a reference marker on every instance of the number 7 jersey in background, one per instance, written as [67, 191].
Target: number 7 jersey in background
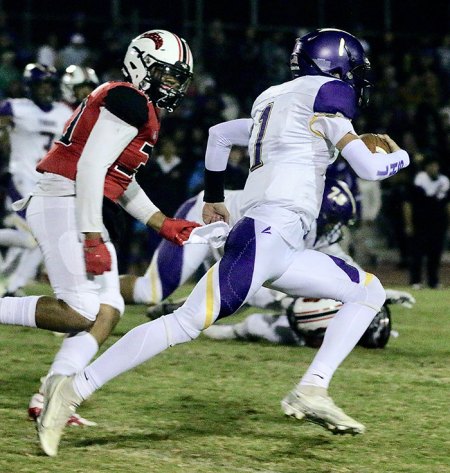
[32, 133]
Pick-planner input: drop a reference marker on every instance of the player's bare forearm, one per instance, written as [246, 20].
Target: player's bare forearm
[92, 235]
[156, 221]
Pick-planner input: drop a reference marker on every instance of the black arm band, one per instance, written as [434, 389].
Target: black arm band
[214, 186]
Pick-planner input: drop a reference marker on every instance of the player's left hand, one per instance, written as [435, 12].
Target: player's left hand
[392, 144]
[177, 230]
[400, 297]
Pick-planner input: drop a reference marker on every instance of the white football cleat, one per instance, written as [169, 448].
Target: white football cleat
[60, 403]
[313, 404]
[221, 332]
[35, 409]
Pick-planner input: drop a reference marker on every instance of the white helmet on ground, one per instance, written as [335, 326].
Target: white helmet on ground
[309, 318]
[160, 64]
[77, 76]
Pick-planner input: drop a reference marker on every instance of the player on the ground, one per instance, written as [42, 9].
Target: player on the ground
[29, 127]
[109, 136]
[292, 137]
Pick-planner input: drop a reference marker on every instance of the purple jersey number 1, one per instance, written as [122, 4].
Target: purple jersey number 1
[257, 149]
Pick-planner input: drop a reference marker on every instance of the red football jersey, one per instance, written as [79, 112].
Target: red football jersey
[64, 155]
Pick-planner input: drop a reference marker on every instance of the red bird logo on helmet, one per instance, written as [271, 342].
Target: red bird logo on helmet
[155, 37]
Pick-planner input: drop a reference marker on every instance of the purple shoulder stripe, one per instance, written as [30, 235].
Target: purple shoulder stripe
[336, 96]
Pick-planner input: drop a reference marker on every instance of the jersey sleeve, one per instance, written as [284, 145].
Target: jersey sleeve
[373, 166]
[222, 137]
[127, 104]
[331, 127]
[137, 203]
[336, 98]
[108, 138]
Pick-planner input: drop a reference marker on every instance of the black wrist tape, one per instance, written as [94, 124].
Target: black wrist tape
[214, 186]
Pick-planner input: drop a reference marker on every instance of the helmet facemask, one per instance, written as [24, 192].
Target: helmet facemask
[166, 84]
[357, 78]
[152, 65]
[43, 92]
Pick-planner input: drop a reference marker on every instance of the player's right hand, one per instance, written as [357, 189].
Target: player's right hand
[215, 212]
[96, 256]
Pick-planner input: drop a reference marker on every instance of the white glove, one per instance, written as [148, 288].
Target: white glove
[400, 297]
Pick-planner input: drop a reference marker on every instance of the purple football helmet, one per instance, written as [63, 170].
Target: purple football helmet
[34, 76]
[338, 209]
[328, 52]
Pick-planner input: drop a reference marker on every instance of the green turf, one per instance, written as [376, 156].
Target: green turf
[214, 407]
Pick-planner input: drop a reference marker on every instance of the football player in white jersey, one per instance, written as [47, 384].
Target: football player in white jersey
[172, 266]
[302, 321]
[298, 321]
[292, 136]
[32, 124]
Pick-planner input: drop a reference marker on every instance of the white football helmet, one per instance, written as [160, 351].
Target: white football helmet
[160, 64]
[76, 76]
[309, 317]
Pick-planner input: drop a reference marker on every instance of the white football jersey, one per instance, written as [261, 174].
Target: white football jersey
[32, 134]
[289, 157]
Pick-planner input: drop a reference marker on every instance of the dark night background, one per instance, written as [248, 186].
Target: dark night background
[240, 48]
[36, 18]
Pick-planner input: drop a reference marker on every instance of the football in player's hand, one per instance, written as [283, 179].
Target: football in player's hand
[375, 143]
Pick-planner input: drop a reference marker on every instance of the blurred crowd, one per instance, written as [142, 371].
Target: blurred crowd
[410, 101]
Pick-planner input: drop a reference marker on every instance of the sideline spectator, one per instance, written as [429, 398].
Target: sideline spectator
[74, 53]
[47, 53]
[10, 76]
[428, 218]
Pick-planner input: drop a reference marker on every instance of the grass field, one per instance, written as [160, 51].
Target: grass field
[214, 407]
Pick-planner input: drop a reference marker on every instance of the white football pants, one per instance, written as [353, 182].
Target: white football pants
[53, 223]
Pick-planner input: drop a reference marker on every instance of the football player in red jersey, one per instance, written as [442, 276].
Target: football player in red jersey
[105, 141]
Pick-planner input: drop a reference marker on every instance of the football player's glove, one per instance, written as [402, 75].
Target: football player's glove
[400, 297]
[96, 256]
[177, 230]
